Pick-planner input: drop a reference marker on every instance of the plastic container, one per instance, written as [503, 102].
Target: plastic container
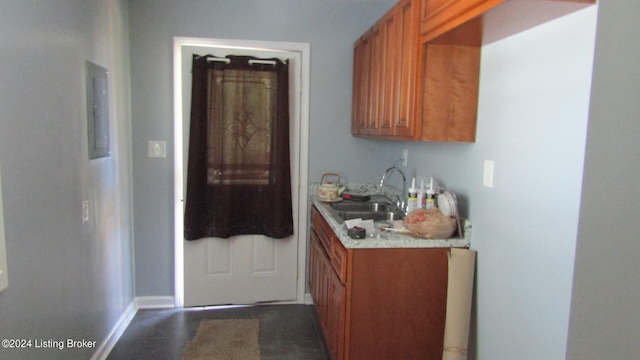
[430, 200]
[412, 197]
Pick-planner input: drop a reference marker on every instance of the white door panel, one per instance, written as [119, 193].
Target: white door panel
[249, 268]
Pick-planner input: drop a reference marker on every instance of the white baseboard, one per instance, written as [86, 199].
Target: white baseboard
[308, 300]
[142, 302]
[112, 338]
[155, 302]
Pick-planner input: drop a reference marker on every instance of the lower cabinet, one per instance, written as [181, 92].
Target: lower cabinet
[377, 303]
[325, 290]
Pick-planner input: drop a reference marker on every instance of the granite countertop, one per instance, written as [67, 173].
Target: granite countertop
[386, 239]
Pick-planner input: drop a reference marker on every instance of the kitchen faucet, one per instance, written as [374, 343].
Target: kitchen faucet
[400, 203]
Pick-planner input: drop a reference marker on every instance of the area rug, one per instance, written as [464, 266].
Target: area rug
[233, 339]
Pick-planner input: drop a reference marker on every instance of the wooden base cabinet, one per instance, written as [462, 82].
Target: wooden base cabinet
[378, 303]
[329, 298]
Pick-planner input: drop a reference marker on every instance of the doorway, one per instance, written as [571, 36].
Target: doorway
[299, 53]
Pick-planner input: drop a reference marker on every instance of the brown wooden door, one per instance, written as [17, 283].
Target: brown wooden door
[390, 71]
[376, 101]
[397, 303]
[317, 281]
[404, 125]
[361, 80]
[336, 318]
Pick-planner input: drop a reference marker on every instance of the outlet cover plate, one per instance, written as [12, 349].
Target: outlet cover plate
[157, 148]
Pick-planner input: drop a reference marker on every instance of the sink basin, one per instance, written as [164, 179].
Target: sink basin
[375, 211]
[371, 215]
[360, 206]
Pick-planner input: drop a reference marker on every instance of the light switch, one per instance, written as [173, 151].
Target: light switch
[487, 178]
[157, 148]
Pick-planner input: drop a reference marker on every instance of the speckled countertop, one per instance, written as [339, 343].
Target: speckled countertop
[386, 239]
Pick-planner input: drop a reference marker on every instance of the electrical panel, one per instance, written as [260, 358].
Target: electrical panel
[4, 280]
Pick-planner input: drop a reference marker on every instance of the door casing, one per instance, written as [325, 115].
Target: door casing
[302, 147]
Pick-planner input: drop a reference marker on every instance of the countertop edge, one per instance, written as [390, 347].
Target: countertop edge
[390, 240]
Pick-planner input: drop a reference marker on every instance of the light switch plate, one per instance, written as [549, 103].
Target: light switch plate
[85, 211]
[157, 148]
[487, 178]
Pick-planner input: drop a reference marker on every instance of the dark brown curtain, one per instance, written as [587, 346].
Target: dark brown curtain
[238, 179]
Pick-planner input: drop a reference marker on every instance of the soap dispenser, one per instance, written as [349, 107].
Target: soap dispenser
[422, 196]
[431, 195]
[412, 197]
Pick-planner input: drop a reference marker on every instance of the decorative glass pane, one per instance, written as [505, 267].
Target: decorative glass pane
[239, 141]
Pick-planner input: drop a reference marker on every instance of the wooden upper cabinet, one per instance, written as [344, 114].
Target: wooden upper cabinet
[385, 68]
[389, 71]
[439, 16]
[376, 105]
[405, 122]
[362, 84]
[416, 71]
[501, 18]
[450, 73]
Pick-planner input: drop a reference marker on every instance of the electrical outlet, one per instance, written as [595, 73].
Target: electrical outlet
[157, 148]
[405, 157]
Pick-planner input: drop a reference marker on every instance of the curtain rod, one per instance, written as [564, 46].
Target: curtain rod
[251, 62]
[225, 60]
[268, 62]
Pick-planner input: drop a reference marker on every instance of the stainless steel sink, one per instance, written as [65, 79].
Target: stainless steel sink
[359, 206]
[376, 211]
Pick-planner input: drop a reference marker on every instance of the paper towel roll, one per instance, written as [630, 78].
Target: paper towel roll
[459, 296]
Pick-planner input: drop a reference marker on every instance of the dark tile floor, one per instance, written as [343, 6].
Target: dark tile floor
[286, 332]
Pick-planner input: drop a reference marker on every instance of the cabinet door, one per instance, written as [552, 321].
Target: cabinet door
[407, 14]
[336, 318]
[356, 92]
[385, 75]
[329, 297]
[361, 80]
[397, 303]
[319, 280]
[376, 84]
[390, 72]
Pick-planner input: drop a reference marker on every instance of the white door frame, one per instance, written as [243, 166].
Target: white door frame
[301, 232]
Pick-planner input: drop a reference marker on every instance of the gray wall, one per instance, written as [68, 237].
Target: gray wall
[331, 28]
[532, 121]
[73, 280]
[533, 115]
[605, 320]
[66, 279]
